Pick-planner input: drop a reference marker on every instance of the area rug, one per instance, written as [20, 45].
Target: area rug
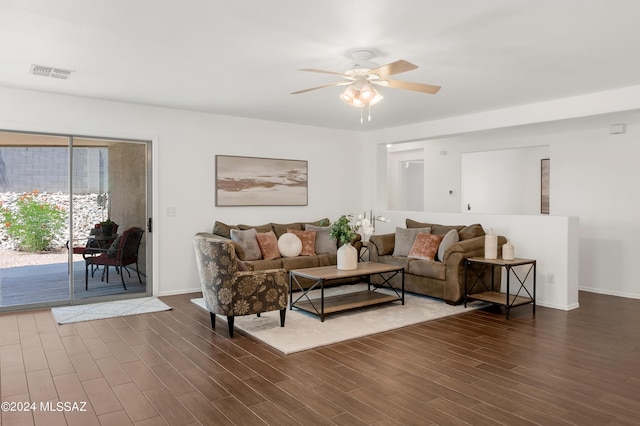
[117, 308]
[304, 331]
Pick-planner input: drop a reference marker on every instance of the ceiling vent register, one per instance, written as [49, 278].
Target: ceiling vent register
[52, 72]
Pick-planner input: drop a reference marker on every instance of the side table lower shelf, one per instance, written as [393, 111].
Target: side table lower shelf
[499, 298]
[507, 300]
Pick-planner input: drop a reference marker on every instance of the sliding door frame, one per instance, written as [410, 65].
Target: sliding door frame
[150, 286]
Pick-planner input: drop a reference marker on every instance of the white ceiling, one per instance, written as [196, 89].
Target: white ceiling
[241, 57]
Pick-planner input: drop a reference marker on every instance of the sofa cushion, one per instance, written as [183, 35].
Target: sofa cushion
[259, 228]
[321, 222]
[268, 245]
[247, 240]
[471, 231]
[443, 229]
[262, 264]
[308, 239]
[405, 239]
[300, 262]
[223, 229]
[281, 228]
[415, 224]
[289, 245]
[449, 239]
[327, 259]
[427, 268]
[324, 243]
[384, 243]
[425, 246]
[397, 261]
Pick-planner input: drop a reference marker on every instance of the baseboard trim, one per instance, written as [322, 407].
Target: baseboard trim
[610, 292]
[184, 291]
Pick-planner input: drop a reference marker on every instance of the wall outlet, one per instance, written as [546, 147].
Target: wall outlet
[551, 278]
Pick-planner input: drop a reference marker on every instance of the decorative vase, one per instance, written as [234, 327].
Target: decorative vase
[491, 245]
[107, 230]
[347, 257]
[507, 251]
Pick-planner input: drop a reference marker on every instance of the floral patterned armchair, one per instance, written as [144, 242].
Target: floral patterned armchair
[228, 291]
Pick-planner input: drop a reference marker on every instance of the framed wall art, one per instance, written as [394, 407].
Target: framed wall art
[255, 181]
[545, 183]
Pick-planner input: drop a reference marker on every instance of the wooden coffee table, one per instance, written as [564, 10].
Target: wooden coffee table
[323, 306]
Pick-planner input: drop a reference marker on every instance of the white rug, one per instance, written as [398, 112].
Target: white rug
[117, 308]
[304, 331]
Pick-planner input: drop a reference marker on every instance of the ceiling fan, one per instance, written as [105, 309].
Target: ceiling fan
[362, 77]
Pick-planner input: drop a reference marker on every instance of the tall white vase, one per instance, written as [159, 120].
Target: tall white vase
[347, 257]
[491, 245]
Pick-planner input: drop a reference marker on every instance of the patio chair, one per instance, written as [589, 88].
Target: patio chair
[228, 291]
[123, 252]
[93, 241]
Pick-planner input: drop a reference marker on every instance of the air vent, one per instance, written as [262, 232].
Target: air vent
[52, 72]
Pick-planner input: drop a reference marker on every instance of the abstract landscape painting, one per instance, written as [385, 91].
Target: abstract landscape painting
[253, 181]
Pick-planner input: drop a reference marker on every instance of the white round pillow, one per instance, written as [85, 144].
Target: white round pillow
[289, 245]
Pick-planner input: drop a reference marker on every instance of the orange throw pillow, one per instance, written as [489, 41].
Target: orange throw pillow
[308, 239]
[268, 245]
[426, 246]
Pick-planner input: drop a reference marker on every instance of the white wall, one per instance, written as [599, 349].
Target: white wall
[184, 146]
[505, 181]
[550, 240]
[593, 175]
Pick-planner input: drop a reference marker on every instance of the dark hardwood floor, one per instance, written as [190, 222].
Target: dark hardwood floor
[580, 367]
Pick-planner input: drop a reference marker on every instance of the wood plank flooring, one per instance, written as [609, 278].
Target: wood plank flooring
[169, 368]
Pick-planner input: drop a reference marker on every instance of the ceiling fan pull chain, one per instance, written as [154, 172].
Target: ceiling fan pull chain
[369, 110]
[361, 119]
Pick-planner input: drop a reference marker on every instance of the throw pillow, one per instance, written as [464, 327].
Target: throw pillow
[324, 243]
[450, 238]
[268, 245]
[308, 239]
[425, 246]
[113, 248]
[405, 239]
[289, 245]
[248, 241]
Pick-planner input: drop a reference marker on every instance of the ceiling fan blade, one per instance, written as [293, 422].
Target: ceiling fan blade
[319, 87]
[396, 67]
[322, 71]
[417, 87]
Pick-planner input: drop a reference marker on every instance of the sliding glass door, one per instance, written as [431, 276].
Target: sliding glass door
[58, 193]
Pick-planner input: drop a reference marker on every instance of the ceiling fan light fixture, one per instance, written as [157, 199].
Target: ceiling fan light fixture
[359, 94]
[377, 98]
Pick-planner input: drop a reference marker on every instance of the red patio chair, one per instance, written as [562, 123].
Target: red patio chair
[125, 253]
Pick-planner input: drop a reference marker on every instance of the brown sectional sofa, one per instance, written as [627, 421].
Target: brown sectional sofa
[223, 231]
[443, 279]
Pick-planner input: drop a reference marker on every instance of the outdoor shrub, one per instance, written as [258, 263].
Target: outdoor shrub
[33, 222]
